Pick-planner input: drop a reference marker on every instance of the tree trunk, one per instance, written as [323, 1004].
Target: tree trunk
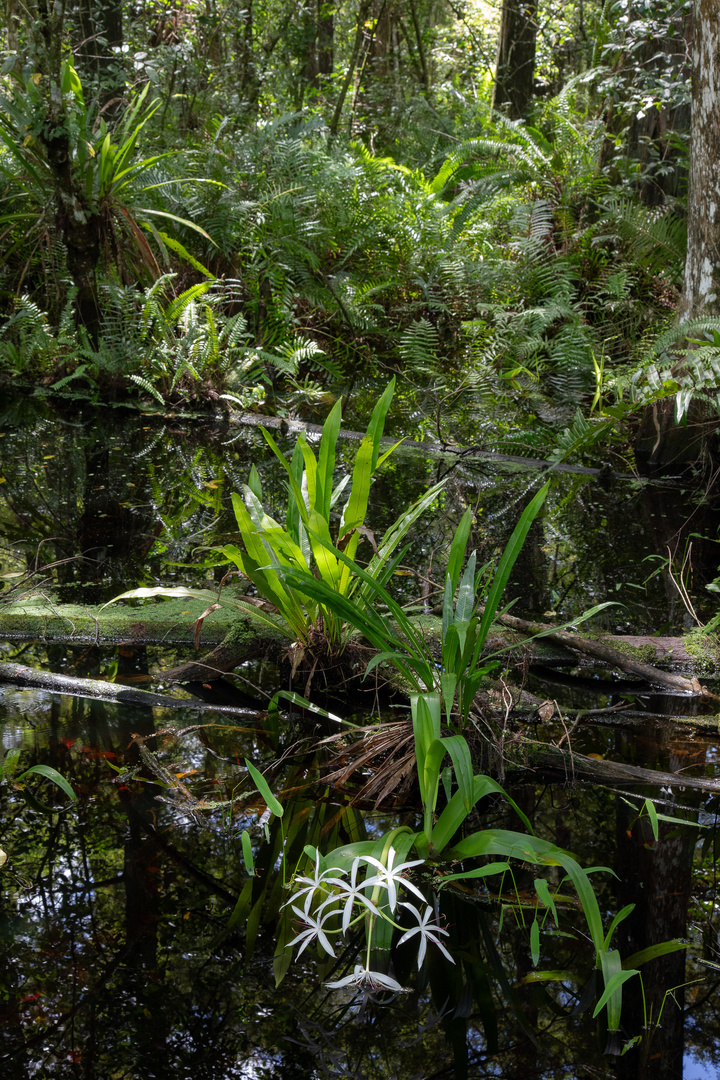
[98, 53]
[648, 134]
[79, 227]
[325, 40]
[363, 12]
[319, 44]
[701, 289]
[661, 440]
[515, 68]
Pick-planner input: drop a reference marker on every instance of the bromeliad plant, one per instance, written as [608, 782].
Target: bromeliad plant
[310, 546]
[274, 557]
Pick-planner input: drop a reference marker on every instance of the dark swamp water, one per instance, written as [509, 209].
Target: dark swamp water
[116, 960]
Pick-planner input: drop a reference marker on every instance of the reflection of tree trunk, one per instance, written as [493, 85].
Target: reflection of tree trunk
[142, 854]
[515, 69]
[656, 878]
[525, 1050]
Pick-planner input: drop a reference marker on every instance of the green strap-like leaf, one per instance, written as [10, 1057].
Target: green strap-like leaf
[377, 422]
[458, 548]
[326, 458]
[507, 561]
[262, 785]
[50, 774]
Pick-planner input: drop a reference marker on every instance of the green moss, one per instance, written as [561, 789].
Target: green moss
[645, 654]
[704, 649]
[168, 621]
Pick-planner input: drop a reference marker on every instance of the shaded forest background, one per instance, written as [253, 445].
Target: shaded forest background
[223, 202]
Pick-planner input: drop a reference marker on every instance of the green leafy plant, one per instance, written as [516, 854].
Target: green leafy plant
[466, 622]
[340, 895]
[271, 553]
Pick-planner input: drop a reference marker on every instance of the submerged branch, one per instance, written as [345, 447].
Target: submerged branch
[548, 758]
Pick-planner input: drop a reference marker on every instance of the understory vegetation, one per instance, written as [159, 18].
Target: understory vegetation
[513, 272]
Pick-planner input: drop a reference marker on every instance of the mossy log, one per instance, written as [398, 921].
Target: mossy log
[168, 622]
[234, 637]
[609, 654]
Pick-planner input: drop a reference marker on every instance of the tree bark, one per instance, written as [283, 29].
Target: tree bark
[363, 12]
[515, 68]
[701, 288]
[79, 227]
[98, 53]
[661, 440]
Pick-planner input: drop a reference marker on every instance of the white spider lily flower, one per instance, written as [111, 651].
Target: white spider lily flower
[426, 932]
[320, 880]
[353, 891]
[373, 980]
[313, 929]
[389, 876]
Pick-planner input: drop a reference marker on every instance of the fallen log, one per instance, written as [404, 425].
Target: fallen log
[24, 676]
[601, 651]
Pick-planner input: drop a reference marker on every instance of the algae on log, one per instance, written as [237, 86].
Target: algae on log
[238, 636]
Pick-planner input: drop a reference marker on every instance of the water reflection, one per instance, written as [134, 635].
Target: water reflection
[113, 959]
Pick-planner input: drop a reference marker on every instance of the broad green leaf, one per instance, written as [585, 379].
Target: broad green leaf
[458, 548]
[612, 997]
[356, 506]
[377, 422]
[550, 976]
[489, 841]
[311, 476]
[653, 951]
[466, 593]
[448, 684]
[477, 872]
[535, 942]
[448, 608]
[586, 895]
[620, 917]
[254, 483]
[292, 518]
[327, 565]
[653, 815]
[507, 561]
[173, 592]
[326, 457]
[543, 891]
[396, 533]
[297, 699]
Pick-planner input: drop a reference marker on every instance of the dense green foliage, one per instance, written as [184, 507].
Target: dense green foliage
[280, 199]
